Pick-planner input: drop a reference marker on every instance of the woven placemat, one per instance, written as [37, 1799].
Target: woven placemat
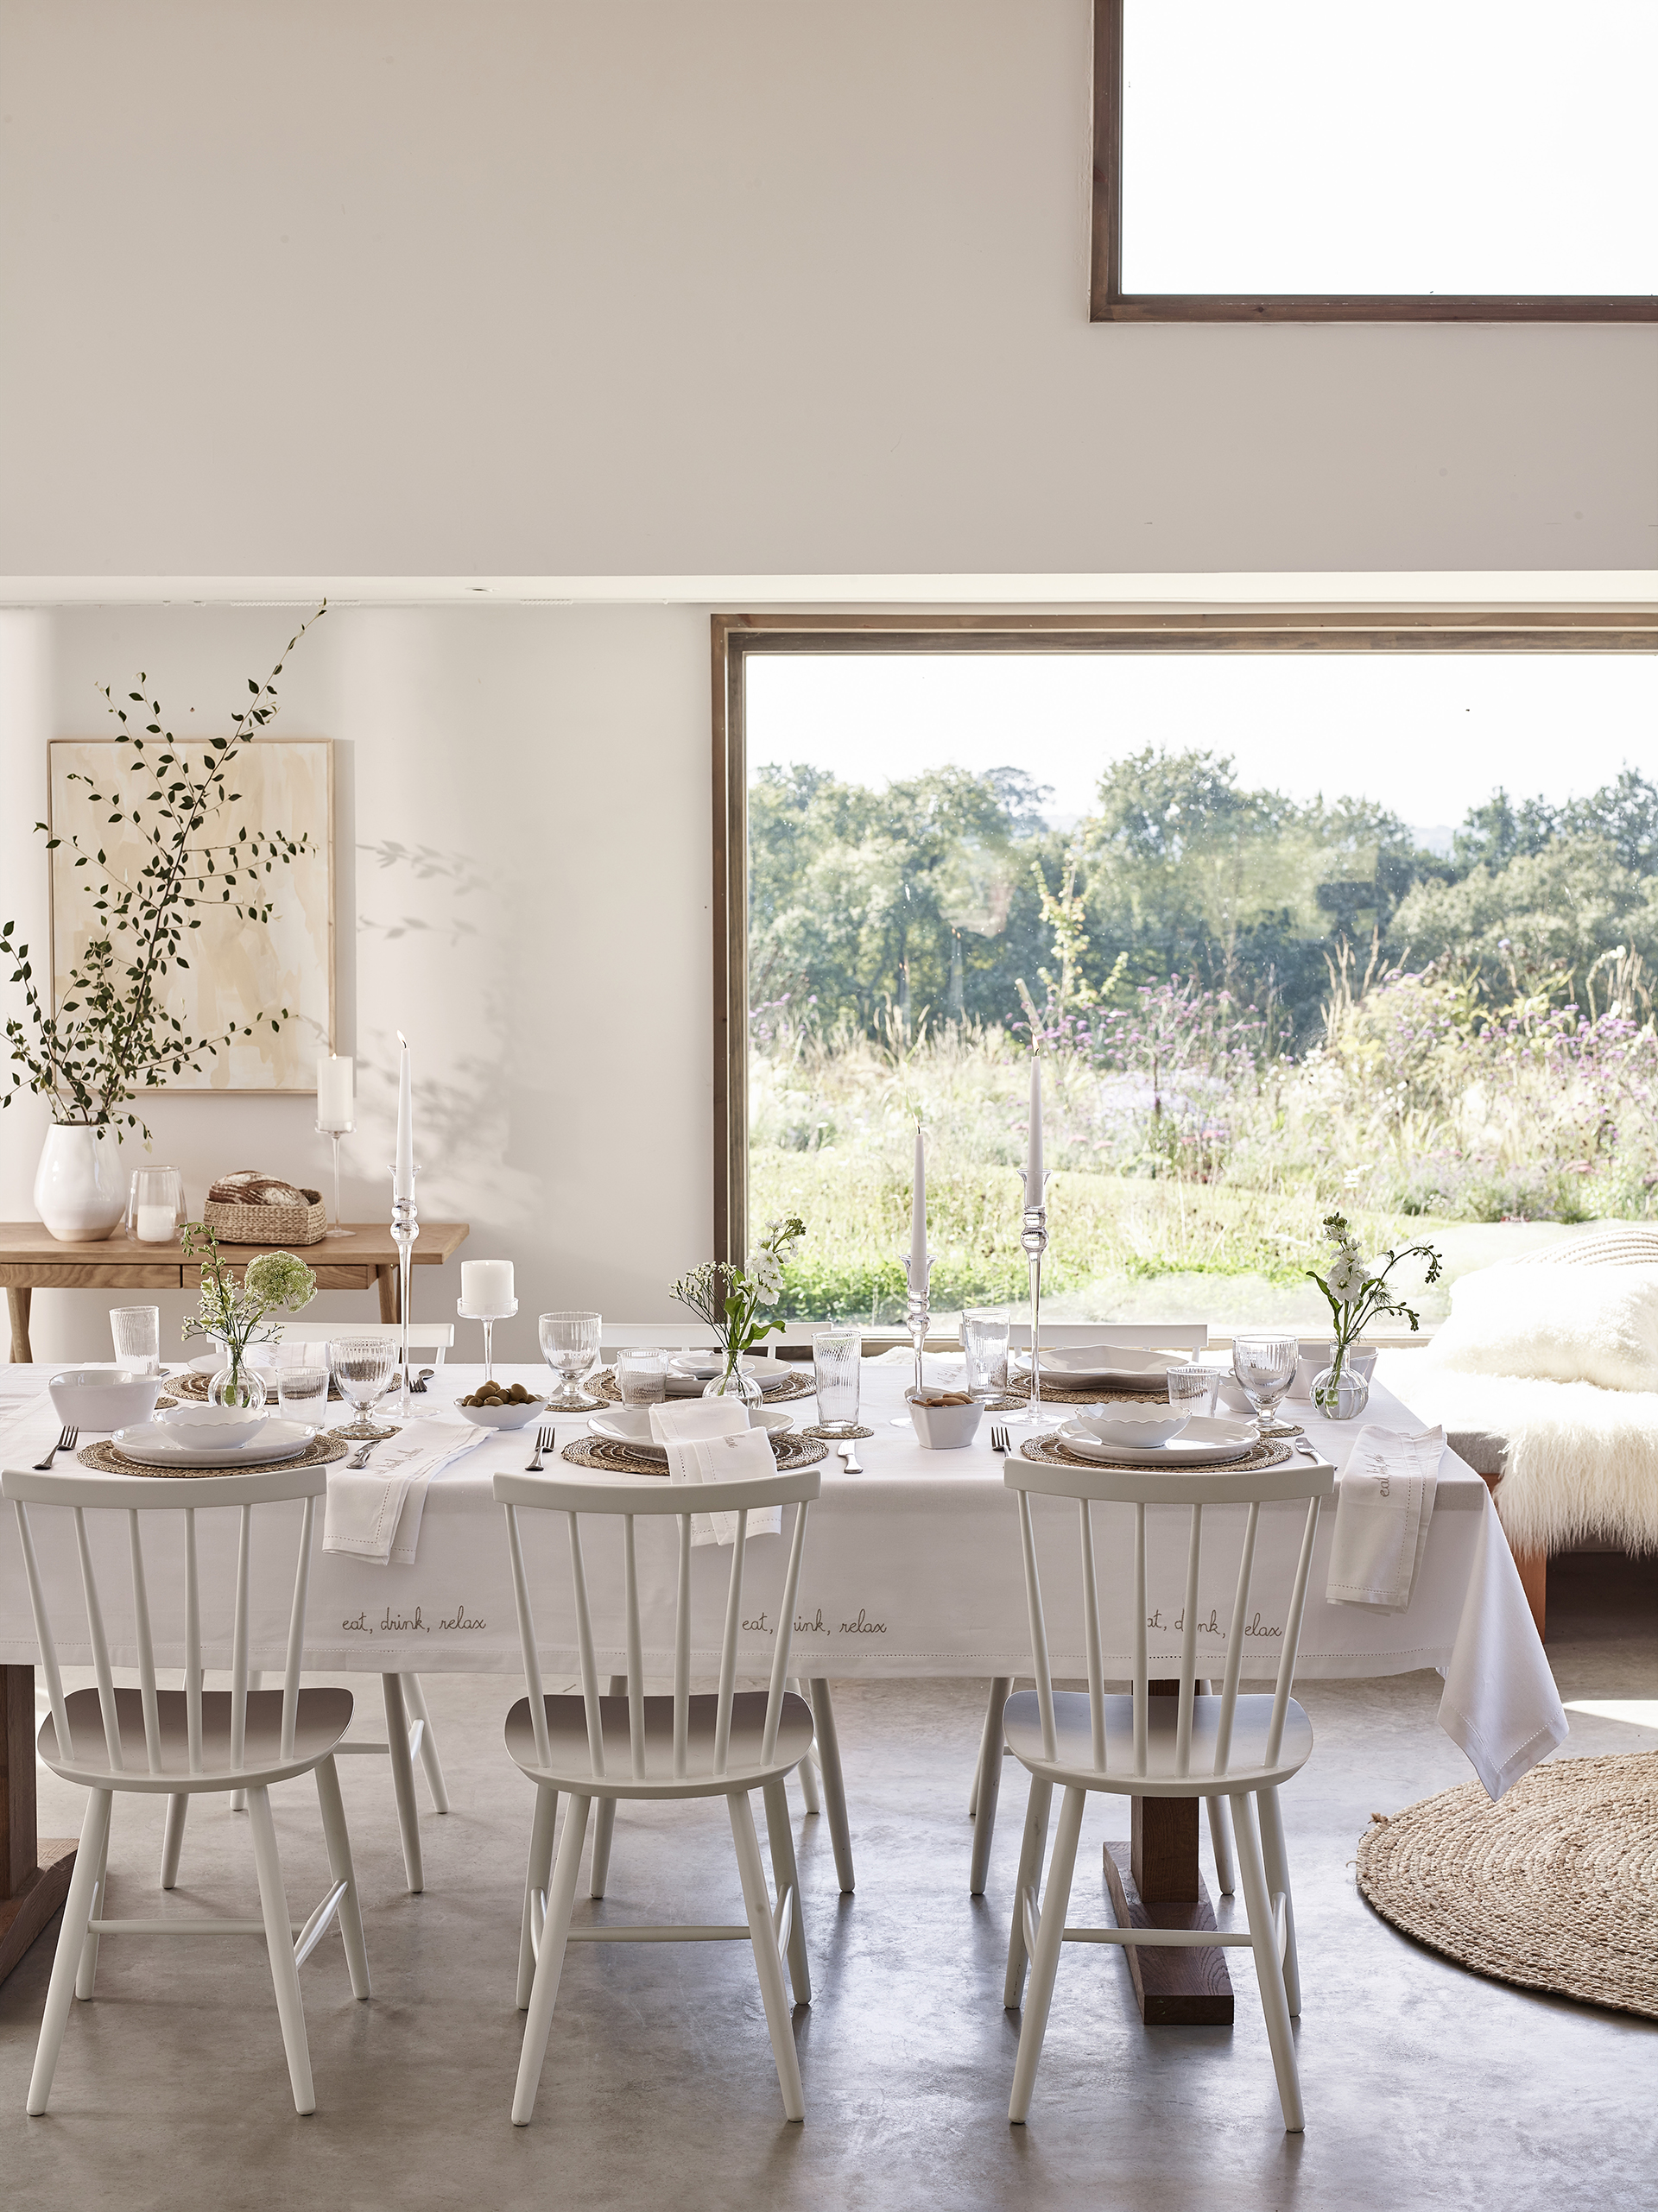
[837, 1436]
[1118, 1394]
[105, 1459]
[1049, 1449]
[791, 1449]
[1551, 1887]
[601, 1383]
[193, 1386]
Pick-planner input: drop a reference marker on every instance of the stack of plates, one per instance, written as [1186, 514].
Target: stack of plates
[1100, 1367]
[630, 1425]
[1200, 1444]
[688, 1371]
[151, 1443]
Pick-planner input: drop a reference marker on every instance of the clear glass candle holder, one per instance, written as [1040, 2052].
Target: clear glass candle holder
[155, 1205]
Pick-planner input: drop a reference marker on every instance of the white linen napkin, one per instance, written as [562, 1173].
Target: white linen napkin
[710, 1441]
[1384, 1502]
[374, 1513]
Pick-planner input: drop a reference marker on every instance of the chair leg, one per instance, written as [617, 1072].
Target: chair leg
[767, 1963]
[1276, 1859]
[87, 1973]
[403, 1780]
[429, 1758]
[279, 1942]
[1268, 1972]
[239, 1797]
[545, 1988]
[1220, 1836]
[77, 1912]
[807, 1769]
[535, 1881]
[604, 1817]
[1031, 1853]
[1050, 1933]
[987, 1784]
[173, 1837]
[785, 1876]
[339, 1839]
[834, 1788]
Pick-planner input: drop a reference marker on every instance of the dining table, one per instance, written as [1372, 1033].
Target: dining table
[912, 1568]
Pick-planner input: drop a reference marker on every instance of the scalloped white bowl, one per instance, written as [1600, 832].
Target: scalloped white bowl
[215, 1425]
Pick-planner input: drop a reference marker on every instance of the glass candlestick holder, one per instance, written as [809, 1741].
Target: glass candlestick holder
[334, 1228]
[489, 1320]
[917, 1316]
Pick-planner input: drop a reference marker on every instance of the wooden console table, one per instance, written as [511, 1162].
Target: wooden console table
[32, 1260]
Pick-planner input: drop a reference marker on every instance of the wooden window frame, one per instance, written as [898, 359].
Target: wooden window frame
[1109, 303]
[737, 636]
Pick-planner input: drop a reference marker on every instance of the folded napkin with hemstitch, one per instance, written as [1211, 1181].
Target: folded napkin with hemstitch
[373, 1512]
[1384, 1501]
[710, 1441]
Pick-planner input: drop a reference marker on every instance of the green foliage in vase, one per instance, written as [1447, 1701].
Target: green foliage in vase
[111, 1035]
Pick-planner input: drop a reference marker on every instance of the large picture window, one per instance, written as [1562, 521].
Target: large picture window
[1445, 160]
[1331, 915]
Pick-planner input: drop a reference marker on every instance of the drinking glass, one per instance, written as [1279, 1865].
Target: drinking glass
[984, 1339]
[1265, 1364]
[362, 1367]
[1193, 1388]
[302, 1391]
[642, 1376]
[137, 1330]
[570, 1347]
[837, 1367]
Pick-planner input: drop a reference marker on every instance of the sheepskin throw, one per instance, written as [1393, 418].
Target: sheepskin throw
[1556, 1324]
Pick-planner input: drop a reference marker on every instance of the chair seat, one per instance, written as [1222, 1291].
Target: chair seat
[324, 1716]
[570, 1765]
[1073, 1766]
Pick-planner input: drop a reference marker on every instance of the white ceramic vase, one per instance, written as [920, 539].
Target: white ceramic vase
[80, 1191]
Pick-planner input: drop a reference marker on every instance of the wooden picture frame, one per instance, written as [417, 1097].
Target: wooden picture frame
[735, 637]
[1110, 303]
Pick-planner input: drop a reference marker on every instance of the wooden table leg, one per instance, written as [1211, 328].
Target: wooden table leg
[34, 1876]
[389, 1300]
[18, 1298]
[1155, 1883]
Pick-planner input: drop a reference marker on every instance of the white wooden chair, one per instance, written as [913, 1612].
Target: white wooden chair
[190, 1741]
[1189, 1337]
[409, 1733]
[658, 1748]
[1193, 1746]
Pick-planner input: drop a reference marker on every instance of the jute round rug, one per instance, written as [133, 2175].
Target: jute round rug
[1554, 1888]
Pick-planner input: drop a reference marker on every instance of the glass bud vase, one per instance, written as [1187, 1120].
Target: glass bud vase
[237, 1384]
[734, 1381]
[1340, 1392]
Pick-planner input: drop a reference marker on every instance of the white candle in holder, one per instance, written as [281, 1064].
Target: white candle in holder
[1035, 1177]
[334, 1103]
[154, 1224]
[402, 1175]
[486, 1288]
[918, 1220]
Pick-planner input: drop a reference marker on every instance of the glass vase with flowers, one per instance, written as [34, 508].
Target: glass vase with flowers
[731, 1300]
[236, 1315]
[1355, 1291]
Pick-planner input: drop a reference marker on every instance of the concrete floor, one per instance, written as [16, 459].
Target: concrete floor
[1424, 2085]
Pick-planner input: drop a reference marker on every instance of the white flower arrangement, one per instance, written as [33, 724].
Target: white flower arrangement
[1356, 1289]
[729, 1299]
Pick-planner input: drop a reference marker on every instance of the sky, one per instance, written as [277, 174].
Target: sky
[1425, 735]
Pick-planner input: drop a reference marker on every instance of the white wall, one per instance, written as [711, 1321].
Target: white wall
[523, 879]
[552, 287]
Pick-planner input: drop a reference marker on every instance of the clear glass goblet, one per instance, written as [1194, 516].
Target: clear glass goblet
[362, 1366]
[570, 1347]
[1265, 1364]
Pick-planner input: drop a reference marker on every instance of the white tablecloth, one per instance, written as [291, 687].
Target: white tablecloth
[911, 1568]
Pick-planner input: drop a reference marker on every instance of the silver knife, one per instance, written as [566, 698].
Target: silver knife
[854, 1464]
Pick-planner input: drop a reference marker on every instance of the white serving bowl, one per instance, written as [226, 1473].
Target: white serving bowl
[500, 1417]
[104, 1398]
[213, 1425]
[944, 1428]
[1133, 1432]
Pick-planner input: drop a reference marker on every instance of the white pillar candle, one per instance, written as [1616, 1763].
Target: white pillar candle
[333, 1092]
[154, 1224]
[486, 1288]
[402, 1178]
[1034, 1176]
[918, 1218]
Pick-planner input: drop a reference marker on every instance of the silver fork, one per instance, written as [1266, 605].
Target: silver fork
[999, 1440]
[65, 1443]
[545, 1439]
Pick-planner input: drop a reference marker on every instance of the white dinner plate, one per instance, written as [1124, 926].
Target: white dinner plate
[630, 1425]
[1200, 1443]
[1095, 1367]
[154, 1445]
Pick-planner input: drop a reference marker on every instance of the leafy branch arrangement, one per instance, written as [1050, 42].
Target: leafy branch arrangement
[729, 1299]
[232, 1312]
[1356, 1297]
[112, 1036]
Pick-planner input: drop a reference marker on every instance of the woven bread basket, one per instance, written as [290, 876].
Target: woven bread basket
[236, 1222]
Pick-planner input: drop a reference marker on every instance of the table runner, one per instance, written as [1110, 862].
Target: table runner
[912, 1568]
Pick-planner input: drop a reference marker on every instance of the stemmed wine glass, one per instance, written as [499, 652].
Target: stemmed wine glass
[1265, 1364]
[362, 1367]
[570, 1347]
